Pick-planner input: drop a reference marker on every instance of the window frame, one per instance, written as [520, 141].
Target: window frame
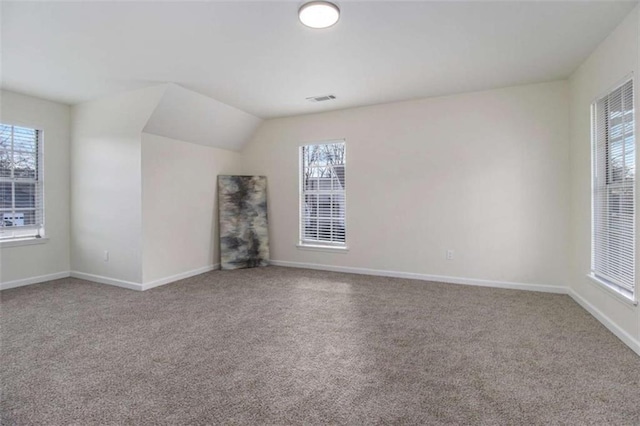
[306, 243]
[597, 169]
[19, 235]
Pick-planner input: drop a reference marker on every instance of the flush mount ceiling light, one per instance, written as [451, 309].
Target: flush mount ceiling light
[319, 14]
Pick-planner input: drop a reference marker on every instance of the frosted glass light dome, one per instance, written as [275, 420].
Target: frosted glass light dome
[319, 14]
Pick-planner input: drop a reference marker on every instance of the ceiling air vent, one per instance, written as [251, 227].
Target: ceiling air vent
[321, 98]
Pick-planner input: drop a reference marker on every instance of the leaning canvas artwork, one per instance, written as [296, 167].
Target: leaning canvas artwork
[242, 204]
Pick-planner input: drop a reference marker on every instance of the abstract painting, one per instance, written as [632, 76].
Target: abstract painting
[244, 238]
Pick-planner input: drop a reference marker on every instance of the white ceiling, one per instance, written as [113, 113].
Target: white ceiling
[257, 57]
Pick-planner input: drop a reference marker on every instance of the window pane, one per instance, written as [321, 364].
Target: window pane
[20, 199]
[5, 163]
[24, 166]
[324, 206]
[318, 178]
[324, 182]
[311, 205]
[615, 166]
[309, 181]
[337, 176]
[311, 229]
[317, 155]
[324, 154]
[25, 218]
[324, 230]
[5, 137]
[338, 205]
[7, 219]
[25, 139]
[630, 157]
[323, 209]
[613, 249]
[5, 195]
[338, 230]
[25, 195]
[305, 156]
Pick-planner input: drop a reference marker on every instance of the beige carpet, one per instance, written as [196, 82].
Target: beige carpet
[292, 346]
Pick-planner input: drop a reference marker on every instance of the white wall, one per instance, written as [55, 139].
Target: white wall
[52, 257]
[485, 174]
[132, 185]
[106, 183]
[613, 60]
[179, 205]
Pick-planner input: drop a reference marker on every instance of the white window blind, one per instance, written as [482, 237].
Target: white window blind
[322, 194]
[21, 187]
[614, 170]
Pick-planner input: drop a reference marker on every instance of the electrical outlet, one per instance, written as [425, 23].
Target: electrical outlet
[106, 256]
[450, 254]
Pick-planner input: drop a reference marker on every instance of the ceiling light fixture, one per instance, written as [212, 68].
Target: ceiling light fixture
[319, 14]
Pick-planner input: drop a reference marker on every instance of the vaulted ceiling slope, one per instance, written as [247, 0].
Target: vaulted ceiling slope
[167, 110]
[189, 116]
[257, 57]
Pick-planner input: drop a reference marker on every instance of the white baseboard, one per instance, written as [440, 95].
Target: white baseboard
[181, 276]
[33, 280]
[425, 277]
[146, 286]
[106, 280]
[626, 338]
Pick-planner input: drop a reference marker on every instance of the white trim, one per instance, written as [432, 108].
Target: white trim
[612, 290]
[327, 248]
[322, 142]
[38, 181]
[302, 192]
[33, 280]
[25, 241]
[106, 280]
[626, 338]
[180, 276]
[627, 272]
[425, 277]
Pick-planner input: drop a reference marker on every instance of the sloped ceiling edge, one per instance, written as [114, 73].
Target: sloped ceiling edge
[189, 116]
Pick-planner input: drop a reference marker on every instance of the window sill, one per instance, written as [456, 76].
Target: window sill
[612, 290]
[330, 249]
[28, 241]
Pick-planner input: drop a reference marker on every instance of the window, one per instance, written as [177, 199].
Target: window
[322, 194]
[614, 170]
[21, 201]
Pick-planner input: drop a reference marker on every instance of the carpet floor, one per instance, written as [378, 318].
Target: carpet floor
[291, 346]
